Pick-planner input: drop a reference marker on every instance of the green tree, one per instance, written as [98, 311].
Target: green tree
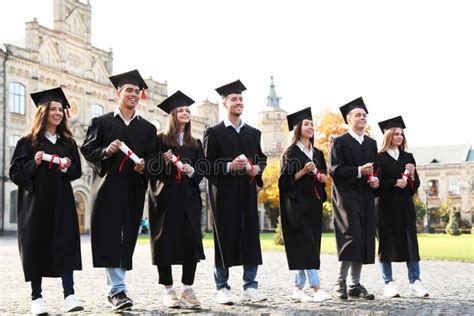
[269, 195]
[420, 210]
[453, 225]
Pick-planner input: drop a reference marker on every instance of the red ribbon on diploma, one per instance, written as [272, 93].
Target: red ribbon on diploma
[51, 162]
[317, 178]
[374, 174]
[252, 179]
[129, 153]
[408, 175]
[178, 175]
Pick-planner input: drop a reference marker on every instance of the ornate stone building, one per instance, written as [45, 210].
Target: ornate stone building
[64, 56]
[272, 123]
[446, 173]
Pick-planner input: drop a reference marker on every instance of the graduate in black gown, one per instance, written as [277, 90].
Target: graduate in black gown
[353, 168]
[48, 228]
[175, 212]
[396, 211]
[119, 183]
[237, 162]
[301, 184]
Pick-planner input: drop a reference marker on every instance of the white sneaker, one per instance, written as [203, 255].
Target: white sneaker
[224, 296]
[71, 304]
[300, 296]
[416, 289]
[253, 295]
[321, 296]
[38, 307]
[171, 300]
[390, 290]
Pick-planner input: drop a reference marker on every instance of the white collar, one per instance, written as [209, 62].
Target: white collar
[50, 137]
[358, 138]
[395, 153]
[117, 112]
[307, 151]
[228, 123]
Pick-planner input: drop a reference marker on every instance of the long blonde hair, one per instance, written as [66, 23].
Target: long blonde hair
[170, 136]
[388, 137]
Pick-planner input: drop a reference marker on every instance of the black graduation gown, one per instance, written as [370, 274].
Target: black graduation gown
[175, 213]
[396, 211]
[118, 196]
[300, 209]
[234, 197]
[352, 198]
[48, 228]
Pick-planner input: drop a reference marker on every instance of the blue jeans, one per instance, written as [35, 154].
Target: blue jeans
[115, 281]
[313, 278]
[413, 271]
[221, 275]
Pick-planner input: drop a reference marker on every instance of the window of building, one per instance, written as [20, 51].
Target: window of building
[97, 110]
[433, 188]
[17, 98]
[453, 187]
[13, 205]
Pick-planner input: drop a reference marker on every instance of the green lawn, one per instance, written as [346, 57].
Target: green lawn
[432, 246]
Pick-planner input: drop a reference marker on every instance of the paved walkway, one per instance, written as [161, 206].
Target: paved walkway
[450, 283]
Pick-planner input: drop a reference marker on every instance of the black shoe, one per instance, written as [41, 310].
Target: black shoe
[120, 301]
[340, 291]
[359, 291]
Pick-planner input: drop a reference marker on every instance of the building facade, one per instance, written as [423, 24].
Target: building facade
[64, 56]
[447, 176]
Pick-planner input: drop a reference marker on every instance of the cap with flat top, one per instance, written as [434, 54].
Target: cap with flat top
[233, 87]
[347, 108]
[131, 77]
[55, 94]
[295, 118]
[390, 123]
[174, 101]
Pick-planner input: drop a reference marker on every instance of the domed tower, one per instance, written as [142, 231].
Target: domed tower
[272, 124]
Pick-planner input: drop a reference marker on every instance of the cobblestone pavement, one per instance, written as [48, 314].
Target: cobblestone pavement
[450, 283]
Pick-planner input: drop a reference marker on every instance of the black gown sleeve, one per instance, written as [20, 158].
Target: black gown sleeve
[338, 167]
[23, 167]
[74, 171]
[151, 151]
[416, 183]
[289, 167]
[199, 164]
[93, 149]
[210, 150]
[262, 161]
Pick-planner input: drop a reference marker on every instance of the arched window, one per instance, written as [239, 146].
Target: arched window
[17, 98]
[97, 110]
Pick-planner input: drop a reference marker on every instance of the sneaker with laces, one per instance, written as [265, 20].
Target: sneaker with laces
[38, 307]
[390, 290]
[417, 289]
[71, 304]
[188, 299]
[120, 301]
[321, 296]
[253, 295]
[300, 296]
[171, 299]
[359, 291]
[340, 290]
[224, 296]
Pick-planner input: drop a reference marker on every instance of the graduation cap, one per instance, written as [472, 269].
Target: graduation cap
[233, 87]
[174, 101]
[55, 94]
[347, 108]
[295, 118]
[131, 77]
[393, 122]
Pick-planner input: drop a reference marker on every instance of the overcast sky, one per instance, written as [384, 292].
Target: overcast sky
[414, 58]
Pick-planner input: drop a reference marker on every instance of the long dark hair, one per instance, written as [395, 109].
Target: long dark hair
[296, 138]
[170, 136]
[38, 126]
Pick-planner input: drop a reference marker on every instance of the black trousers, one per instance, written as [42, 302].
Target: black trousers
[68, 285]
[166, 277]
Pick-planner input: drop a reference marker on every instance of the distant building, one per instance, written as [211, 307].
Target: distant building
[446, 172]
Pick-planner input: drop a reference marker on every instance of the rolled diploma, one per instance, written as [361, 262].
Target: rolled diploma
[248, 166]
[124, 148]
[177, 162]
[56, 160]
[404, 175]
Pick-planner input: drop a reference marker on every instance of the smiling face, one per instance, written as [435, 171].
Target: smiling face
[307, 129]
[55, 114]
[183, 114]
[357, 119]
[234, 104]
[128, 96]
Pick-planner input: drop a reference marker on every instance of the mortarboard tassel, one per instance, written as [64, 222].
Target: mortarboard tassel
[143, 95]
